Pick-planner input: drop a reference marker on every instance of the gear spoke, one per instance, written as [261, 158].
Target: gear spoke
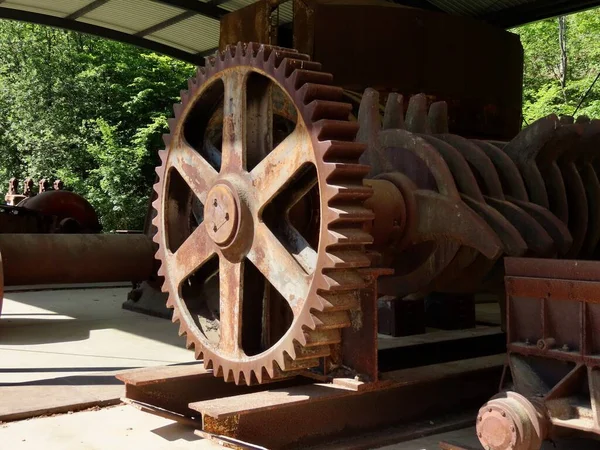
[279, 267]
[234, 116]
[194, 252]
[193, 168]
[279, 166]
[231, 285]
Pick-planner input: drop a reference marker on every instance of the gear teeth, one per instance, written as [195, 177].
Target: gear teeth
[393, 116]
[342, 280]
[316, 338]
[189, 343]
[350, 192]
[416, 115]
[324, 109]
[247, 376]
[300, 64]
[333, 130]
[312, 91]
[177, 108]
[185, 97]
[344, 152]
[341, 302]
[172, 126]
[270, 369]
[350, 236]
[167, 138]
[348, 259]
[332, 320]
[345, 213]
[301, 76]
[279, 56]
[345, 171]
[237, 376]
[286, 364]
[304, 353]
[191, 85]
[438, 117]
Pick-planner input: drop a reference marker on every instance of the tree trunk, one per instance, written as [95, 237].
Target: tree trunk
[562, 40]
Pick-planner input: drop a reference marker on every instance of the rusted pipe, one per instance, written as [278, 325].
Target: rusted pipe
[30, 259]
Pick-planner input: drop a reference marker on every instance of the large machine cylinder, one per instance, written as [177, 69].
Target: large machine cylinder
[30, 259]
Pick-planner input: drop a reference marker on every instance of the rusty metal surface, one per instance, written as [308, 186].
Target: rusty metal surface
[30, 259]
[509, 421]
[553, 317]
[488, 109]
[260, 415]
[73, 213]
[279, 298]
[263, 418]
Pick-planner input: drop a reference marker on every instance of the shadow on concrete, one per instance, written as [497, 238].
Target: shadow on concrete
[106, 301]
[176, 431]
[74, 380]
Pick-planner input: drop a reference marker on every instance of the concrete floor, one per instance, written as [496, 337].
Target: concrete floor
[63, 347]
[59, 351]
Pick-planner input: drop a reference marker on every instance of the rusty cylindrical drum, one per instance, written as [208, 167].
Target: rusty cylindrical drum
[30, 259]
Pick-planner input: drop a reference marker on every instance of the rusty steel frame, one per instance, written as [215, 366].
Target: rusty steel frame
[342, 403]
[553, 315]
[262, 414]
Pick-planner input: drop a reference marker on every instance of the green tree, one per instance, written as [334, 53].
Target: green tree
[562, 59]
[86, 110]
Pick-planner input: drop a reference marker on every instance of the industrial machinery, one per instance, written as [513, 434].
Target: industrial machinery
[266, 220]
[307, 199]
[53, 237]
[283, 216]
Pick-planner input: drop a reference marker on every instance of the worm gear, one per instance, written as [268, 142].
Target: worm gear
[260, 224]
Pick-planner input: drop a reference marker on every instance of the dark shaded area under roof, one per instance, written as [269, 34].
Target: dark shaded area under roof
[189, 29]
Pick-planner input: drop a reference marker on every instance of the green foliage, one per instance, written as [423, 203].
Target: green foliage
[543, 93]
[86, 110]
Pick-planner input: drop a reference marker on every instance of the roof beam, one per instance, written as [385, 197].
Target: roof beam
[204, 9]
[422, 4]
[82, 27]
[536, 10]
[86, 9]
[216, 2]
[167, 23]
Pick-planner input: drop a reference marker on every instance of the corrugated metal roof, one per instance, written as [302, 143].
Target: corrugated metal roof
[132, 14]
[198, 33]
[188, 29]
[53, 7]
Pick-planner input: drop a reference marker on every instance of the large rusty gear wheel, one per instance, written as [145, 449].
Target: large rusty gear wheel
[240, 206]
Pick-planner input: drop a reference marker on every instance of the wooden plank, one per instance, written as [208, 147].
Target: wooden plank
[219, 408]
[155, 375]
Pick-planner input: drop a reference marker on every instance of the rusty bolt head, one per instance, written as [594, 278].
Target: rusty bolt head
[495, 430]
[511, 422]
[221, 214]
